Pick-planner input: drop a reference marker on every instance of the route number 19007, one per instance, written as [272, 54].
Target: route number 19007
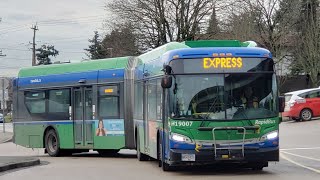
[181, 123]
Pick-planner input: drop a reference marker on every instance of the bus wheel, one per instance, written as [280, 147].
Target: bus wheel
[259, 166]
[52, 143]
[167, 167]
[140, 156]
[306, 114]
[108, 152]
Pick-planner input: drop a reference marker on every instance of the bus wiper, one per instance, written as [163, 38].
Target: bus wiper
[209, 111]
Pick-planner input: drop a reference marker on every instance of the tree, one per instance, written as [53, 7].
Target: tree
[308, 42]
[121, 41]
[157, 22]
[213, 27]
[44, 52]
[95, 50]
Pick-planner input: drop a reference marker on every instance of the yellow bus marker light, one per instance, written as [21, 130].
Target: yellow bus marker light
[222, 54]
[225, 156]
[175, 56]
[229, 54]
[108, 90]
[215, 54]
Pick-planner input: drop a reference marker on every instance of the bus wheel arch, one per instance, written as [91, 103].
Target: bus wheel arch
[51, 141]
[140, 155]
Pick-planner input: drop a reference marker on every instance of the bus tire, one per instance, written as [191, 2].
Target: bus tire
[140, 156]
[306, 114]
[166, 167]
[258, 166]
[52, 143]
[159, 152]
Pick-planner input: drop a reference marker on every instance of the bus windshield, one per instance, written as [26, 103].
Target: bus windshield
[224, 96]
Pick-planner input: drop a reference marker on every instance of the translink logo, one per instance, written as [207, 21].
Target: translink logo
[35, 80]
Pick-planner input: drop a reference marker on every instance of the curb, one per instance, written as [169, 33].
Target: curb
[7, 140]
[19, 165]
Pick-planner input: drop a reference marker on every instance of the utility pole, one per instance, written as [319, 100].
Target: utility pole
[2, 104]
[34, 28]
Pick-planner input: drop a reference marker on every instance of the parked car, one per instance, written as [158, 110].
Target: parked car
[302, 104]
[1, 118]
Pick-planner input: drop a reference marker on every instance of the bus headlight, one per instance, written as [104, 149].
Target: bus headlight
[180, 138]
[270, 136]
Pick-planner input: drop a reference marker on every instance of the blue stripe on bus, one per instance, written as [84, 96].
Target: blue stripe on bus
[71, 77]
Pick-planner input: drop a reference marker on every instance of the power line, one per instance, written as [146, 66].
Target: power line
[54, 22]
[14, 49]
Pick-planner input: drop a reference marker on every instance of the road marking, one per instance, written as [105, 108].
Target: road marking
[297, 155]
[298, 164]
[290, 149]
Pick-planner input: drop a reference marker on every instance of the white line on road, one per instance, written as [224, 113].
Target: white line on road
[298, 164]
[297, 155]
[290, 149]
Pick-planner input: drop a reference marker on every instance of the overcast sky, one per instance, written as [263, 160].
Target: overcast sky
[66, 24]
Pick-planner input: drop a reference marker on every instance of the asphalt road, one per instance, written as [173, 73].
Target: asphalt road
[300, 159]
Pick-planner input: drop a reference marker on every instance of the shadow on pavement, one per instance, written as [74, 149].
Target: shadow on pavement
[218, 169]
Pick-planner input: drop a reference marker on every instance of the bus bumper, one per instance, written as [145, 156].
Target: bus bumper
[262, 155]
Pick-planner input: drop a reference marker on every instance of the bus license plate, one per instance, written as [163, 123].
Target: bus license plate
[188, 157]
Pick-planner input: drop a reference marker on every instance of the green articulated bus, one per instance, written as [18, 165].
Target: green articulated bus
[75, 107]
[189, 103]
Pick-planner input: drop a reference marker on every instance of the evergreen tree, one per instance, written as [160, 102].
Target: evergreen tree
[95, 50]
[43, 54]
[213, 27]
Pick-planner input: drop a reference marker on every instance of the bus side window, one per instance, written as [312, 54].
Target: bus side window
[35, 103]
[159, 100]
[59, 102]
[109, 102]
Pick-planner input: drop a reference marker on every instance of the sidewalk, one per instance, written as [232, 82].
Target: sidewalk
[13, 162]
[5, 137]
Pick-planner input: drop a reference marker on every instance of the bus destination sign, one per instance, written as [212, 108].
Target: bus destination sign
[222, 63]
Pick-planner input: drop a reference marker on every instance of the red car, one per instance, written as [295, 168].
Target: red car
[302, 104]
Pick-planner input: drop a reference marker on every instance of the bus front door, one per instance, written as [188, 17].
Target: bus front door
[83, 116]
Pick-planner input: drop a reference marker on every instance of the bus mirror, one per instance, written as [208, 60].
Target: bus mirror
[167, 69]
[281, 103]
[166, 82]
